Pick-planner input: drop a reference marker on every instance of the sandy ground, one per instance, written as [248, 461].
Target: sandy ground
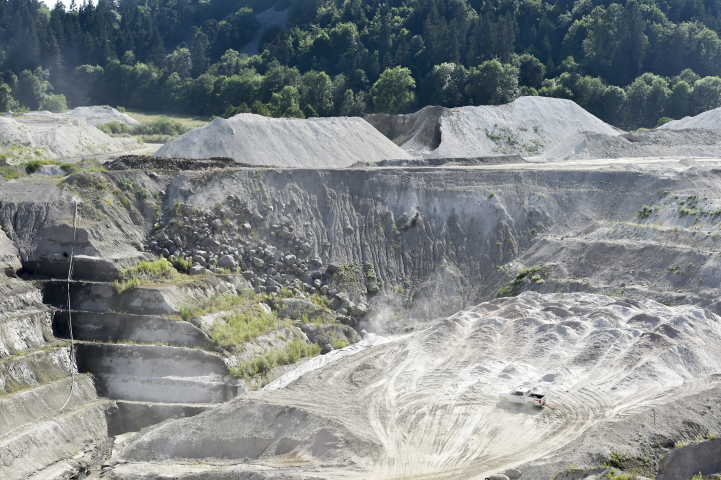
[426, 406]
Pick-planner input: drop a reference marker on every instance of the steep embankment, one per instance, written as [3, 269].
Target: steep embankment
[285, 142]
[427, 405]
[528, 126]
[441, 238]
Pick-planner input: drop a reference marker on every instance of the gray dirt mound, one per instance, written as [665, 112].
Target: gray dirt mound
[653, 143]
[710, 119]
[96, 115]
[528, 126]
[140, 162]
[286, 142]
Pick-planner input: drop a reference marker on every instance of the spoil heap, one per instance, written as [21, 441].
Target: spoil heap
[286, 142]
[41, 138]
[528, 126]
[710, 119]
[653, 143]
[94, 116]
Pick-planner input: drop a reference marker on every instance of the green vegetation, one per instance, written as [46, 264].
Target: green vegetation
[634, 65]
[514, 288]
[263, 364]
[245, 324]
[645, 212]
[158, 271]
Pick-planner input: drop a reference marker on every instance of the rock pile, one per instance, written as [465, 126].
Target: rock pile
[223, 240]
[95, 116]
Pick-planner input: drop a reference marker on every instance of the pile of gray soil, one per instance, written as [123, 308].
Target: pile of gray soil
[653, 143]
[710, 119]
[335, 142]
[49, 137]
[95, 116]
[528, 127]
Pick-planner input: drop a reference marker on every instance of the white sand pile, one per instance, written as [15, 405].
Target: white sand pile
[286, 142]
[710, 119]
[528, 126]
[653, 143]
[96, 115]
[36, 138]
[428, 404]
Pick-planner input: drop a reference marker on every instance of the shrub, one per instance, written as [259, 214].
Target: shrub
[162, 126]
[143, 273]
[114, 128]
[54, 103]
[645, 212]
[263, 364]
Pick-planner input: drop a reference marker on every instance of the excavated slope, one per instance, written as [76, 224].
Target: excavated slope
[286, 142]
[528, 126]
[427, 405]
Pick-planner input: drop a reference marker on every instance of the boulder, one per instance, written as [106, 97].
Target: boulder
[359, 310]
[373, 287]
[289, 259]
[498, 476]
[349, 229]
[327, 348]
[178, 241]
[512, 473]
[208, 243]
[197, 270]
[246, 227]
[258, 262]
[216, 224]
[317, 283]
[332, 268]
[226, 261]
[324, 289]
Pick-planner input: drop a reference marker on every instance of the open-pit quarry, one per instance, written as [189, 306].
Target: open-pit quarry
[230, 319]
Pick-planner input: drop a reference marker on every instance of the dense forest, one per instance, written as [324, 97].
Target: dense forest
[633, 63]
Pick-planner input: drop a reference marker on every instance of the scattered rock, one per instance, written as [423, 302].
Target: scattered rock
[197, 270]
[349, 229]
[258, 262]
[226, 261]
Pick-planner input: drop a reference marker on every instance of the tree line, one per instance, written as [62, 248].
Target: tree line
[630, 63]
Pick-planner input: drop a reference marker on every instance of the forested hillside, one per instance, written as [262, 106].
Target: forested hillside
[630, 63]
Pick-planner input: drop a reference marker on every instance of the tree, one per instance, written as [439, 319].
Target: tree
[706, 94]
[32, 87]
[199, 59]
[317, 91]
[492, 83]
[353, 105]
[393, 92]
[530, 70]
[7, 102]
[445, 85]
[679, 103]
[179, 62]
[285, 103]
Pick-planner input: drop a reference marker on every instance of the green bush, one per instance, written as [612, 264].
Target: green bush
[54, 103]
[263, 364]
[114, 128]
[143, 273]
[162, 126]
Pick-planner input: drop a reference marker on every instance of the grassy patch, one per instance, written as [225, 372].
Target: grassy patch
[263, 364]
[220, 302]
[244, 325]
[158, 271]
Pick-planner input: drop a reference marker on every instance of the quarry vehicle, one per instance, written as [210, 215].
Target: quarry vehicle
[527, 398]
